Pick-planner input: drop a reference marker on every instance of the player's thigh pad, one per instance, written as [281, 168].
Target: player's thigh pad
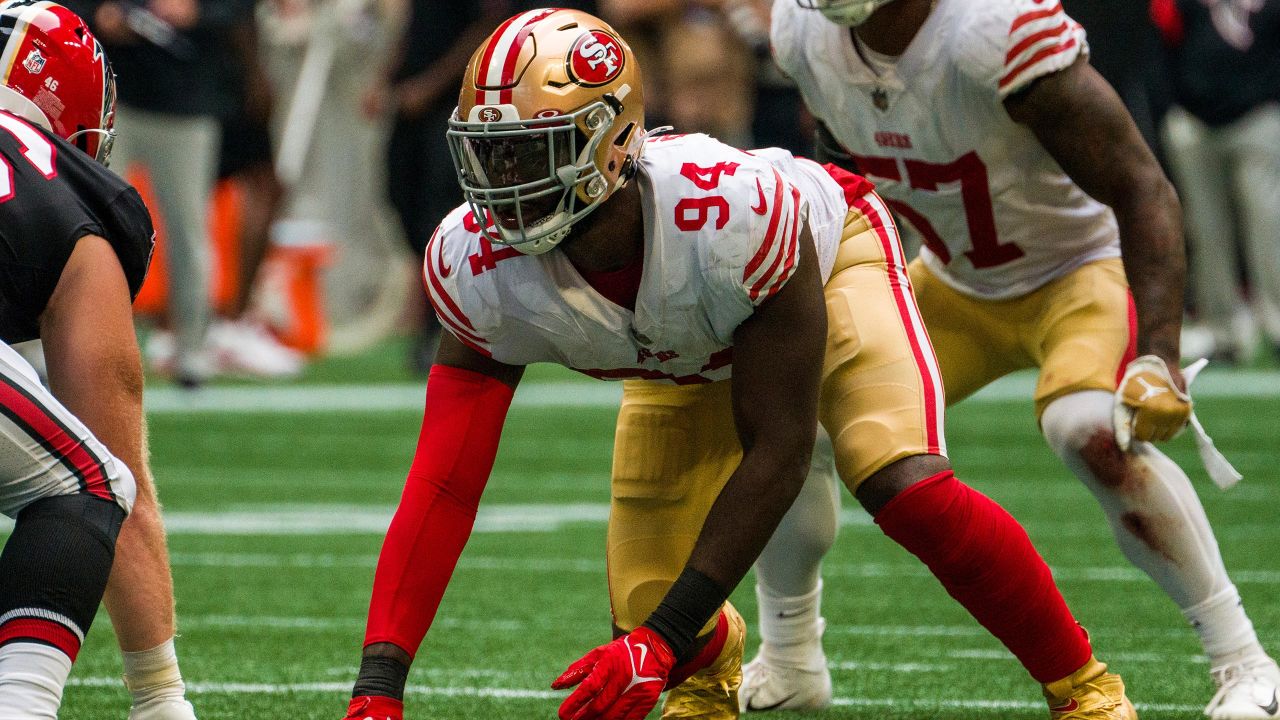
[1087, 332]
[976, 341]
[882, 396]
[45, 451]
[674, 450]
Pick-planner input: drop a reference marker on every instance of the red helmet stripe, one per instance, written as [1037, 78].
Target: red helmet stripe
[497, 65]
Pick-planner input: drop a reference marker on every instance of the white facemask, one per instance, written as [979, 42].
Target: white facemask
[850, 13]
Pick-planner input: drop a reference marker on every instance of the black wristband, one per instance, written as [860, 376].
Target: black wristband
[688, 605]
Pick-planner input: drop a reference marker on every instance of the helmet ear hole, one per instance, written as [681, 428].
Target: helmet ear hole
[625, 136]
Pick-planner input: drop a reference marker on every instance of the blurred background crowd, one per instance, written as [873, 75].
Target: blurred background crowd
[294, 152]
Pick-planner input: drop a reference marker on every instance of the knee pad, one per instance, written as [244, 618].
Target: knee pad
[101, 518]
[1074, 423]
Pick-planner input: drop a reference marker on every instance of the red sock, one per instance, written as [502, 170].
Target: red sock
[456, 450]
[986, 562]
[705, 657]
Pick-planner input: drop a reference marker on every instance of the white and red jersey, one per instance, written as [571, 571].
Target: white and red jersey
[998, 215]
[721, 235]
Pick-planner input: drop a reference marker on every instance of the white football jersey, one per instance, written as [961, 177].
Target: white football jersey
[998, 215]
[721, 235]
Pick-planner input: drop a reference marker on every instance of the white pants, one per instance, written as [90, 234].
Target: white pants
[1230, 183]
[45, 451]
[180, 154]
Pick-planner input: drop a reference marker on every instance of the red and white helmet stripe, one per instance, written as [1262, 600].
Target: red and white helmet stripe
[498, 65]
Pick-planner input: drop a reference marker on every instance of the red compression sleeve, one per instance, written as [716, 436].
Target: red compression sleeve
[456, 448]
[985, 560]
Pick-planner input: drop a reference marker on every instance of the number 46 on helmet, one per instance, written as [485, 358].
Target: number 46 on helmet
[54, 73]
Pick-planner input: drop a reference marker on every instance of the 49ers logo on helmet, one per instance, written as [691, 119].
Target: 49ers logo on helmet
[595, 58]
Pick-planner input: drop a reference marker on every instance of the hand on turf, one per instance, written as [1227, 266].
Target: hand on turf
[619, 681]
[1150, 405]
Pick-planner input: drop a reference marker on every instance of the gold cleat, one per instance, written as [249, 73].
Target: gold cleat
[1090, 693]
[712, 693]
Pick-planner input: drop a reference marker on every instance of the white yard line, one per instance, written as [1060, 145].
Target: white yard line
[832, 568]
[237, 688]
[264, 623]
[409, 397]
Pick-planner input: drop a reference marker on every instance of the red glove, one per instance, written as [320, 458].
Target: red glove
[620, 681]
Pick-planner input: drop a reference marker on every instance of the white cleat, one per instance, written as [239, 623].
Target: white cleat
[1246, 691]
[775, 687]
[247, 349]
[165, 708]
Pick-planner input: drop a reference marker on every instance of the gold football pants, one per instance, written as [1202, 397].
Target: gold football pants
[676, 446]
[1079, 330]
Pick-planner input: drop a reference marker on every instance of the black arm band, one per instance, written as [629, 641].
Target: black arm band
[692, 600]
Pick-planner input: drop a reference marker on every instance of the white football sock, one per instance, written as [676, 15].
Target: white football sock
[1225, 630]
[791, 563]
[1156, 517]
[788, 572]
[152, 674]
[791, 629]
[31, 680]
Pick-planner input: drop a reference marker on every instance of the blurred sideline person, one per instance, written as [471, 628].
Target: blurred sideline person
[985, 127]
[1124, 47]
[241, 343]
[418, 88]
[175, 85]
[1224, 148]
[77, 244]
[677, 263]
[425, 67]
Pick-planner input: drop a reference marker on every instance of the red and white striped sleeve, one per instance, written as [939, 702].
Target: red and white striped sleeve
[1042, 39]
[779, 207]
[442, 280]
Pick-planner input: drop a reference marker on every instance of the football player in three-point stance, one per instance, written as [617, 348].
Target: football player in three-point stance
[1046, 223]
[743, 296]
[77, 242]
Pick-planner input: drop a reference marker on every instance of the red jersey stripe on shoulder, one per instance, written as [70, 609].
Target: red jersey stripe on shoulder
[1035, 15]
[1015, 73]
[770, 233]
[790, 231]
[448, 311]
[1029, 41]
[779, 241]
[793, 251]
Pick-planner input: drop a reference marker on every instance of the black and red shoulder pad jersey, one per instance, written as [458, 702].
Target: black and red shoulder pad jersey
[51, 195]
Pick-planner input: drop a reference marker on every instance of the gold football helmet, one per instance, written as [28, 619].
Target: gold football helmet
[550, 122]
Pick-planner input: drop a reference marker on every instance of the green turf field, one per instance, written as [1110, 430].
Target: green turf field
[276, 521]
